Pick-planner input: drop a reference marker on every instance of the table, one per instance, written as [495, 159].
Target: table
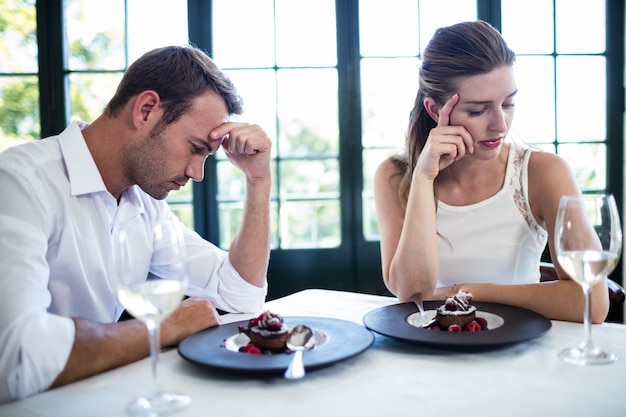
[392, 378]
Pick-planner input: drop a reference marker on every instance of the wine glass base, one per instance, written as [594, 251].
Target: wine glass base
[581, 356]
[157, 404]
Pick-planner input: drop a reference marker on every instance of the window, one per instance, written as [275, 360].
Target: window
[288, 79]
[338, 99]
[288, 73]
[390, 61]
[561, 71]
[103, 38]
[333, 82]
[378, 46]
[19, 85]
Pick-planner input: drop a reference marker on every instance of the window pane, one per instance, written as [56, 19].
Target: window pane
[184, 212]
[97, 41]
[534, 119]
[388, 90]
[372, 158]
[230, 219]
[90, 93]
[309, 179]
[258, 90]
[297, 106]
[310, 211]
[516, 16]
[307, 109]
[439, 13]
[18, 37]
[580, 26]
[389, 78]
[237, 48]
[180, 203]
[232, 183]
[95, 34]
[581, 98]
[155, 23]
[370, 220]
[306, 33]
[589, 164]
[275, 235]
[310, 224]
[19, 86]
[388, 31]
[230, 197]
[19, 110]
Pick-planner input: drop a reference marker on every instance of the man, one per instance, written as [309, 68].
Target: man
[62, 197]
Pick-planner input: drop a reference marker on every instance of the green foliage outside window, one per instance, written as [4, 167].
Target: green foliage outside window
[19, 94]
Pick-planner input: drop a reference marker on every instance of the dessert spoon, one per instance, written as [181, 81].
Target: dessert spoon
[417, 299]
[300, 339]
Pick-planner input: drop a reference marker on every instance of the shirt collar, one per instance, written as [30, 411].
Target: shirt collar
[82, 171]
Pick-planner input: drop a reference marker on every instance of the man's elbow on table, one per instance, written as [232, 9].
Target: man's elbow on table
[31, 358]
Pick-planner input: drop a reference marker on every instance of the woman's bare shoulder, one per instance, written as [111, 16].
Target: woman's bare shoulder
[389, 170]
[542, 163]
[549, 178]
[387, 181]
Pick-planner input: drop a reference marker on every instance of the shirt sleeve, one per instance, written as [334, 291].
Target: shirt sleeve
[226, 288]
[212, 276]
[35, 344]
[30, 360]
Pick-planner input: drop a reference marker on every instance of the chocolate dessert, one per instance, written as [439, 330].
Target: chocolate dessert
[268, 332]
[457, 310]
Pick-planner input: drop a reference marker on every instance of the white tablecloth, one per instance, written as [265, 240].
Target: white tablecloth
[391, 378]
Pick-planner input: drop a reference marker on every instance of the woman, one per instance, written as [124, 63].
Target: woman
[464, 209]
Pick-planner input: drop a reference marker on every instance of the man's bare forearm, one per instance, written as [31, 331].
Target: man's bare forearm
[249, 251]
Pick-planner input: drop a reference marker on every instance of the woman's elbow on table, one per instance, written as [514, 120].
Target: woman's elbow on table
[600, 304]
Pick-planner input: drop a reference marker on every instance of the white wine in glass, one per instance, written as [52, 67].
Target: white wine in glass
[152, 300]
[588, 245]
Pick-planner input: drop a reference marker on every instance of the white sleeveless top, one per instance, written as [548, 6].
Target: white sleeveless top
[496, 240]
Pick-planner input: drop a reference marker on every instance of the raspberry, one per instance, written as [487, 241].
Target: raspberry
[451, 305]
[482, 322]
[455, 328]
[255, 321]
[252, 349]
[435, 328]
[472, 326]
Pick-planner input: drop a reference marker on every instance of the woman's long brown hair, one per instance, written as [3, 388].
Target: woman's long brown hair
[461, 50]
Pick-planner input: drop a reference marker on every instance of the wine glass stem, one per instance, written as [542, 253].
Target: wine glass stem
[155, 347]
[587, 344]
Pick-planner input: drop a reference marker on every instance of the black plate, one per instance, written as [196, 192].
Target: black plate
[345, 340]
[519, 325]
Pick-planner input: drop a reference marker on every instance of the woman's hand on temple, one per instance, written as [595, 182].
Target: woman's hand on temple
[445, 144]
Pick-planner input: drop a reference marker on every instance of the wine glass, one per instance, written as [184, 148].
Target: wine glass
[152, 300]
[588, 244]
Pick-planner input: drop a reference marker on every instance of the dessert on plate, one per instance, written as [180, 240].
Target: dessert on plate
[458, 314]
[267, 332]
[457, 309]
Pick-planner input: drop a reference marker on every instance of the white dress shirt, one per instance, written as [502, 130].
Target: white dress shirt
[56, 258]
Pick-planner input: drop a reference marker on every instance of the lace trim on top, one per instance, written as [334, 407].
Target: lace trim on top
[518, 184]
